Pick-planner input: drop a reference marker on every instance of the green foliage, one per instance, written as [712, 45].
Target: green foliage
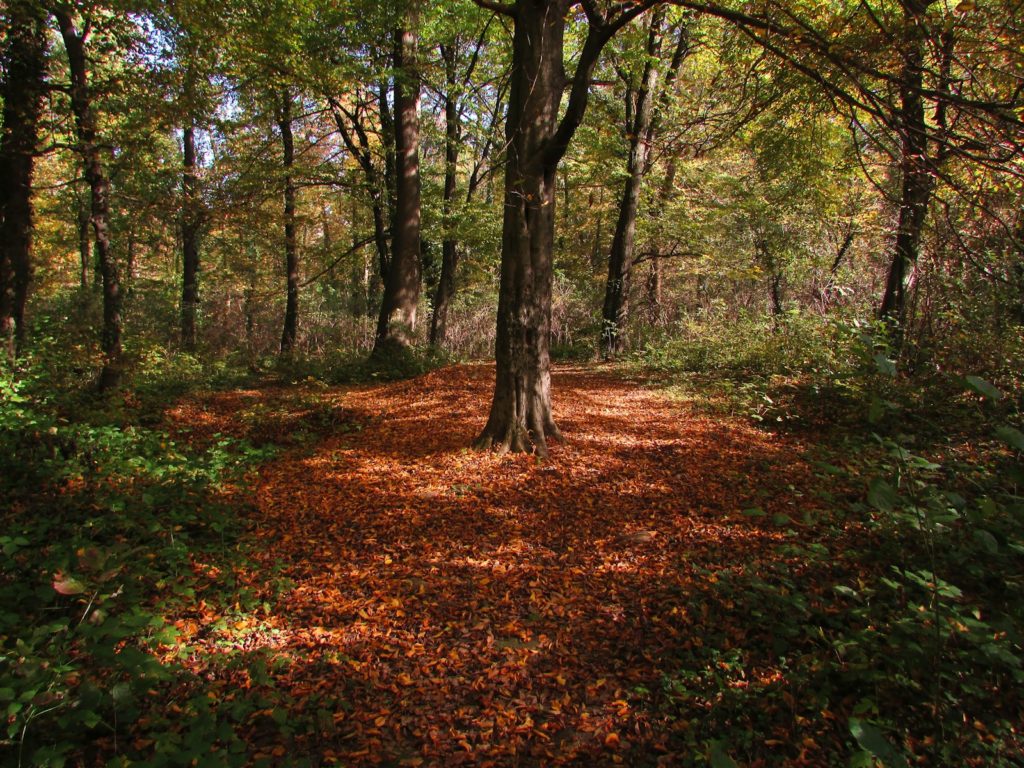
[915, 659]
[355, 367]
[754, 345]
[101, 529]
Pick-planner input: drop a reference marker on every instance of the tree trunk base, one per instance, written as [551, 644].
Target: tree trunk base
[512, 435]
[110, 378]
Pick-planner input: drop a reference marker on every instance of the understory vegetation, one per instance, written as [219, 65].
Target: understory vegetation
[283, 286]
[886, 626]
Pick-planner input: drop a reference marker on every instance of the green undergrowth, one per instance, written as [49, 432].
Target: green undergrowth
[104, 521]
[108, 524]
[896, 637]
[393, 364]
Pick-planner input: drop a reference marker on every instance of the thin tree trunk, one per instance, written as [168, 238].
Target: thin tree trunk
[22, 90]
[249, 312]
[655, 275]
[359, 147]
[916, 184]
[654, 283]
[595, 251]
[828, 293]
[449, 245]
[291, 256]
[620, 258]
[131, 249]
[99, 187]
[190, 222]
[396, 324]
[84, 245]
[776, 294]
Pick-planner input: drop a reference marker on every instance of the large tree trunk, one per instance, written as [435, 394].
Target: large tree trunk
[620, 258]
[449, 245]
[190, 223]
[397, 322]
[291, 254]
[536, 140]
[520, 416]
[916, 182]
[99, 188]
[22, 90]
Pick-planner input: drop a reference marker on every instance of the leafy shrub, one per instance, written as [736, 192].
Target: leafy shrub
[99, 534]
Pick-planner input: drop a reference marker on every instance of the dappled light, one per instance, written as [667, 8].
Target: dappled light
[512, 383]
[460, 605]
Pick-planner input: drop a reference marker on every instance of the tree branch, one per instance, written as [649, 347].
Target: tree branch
[492, 5]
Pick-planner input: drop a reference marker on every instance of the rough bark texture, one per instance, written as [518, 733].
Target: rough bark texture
[22, 89]
[620, 258]
[520, 417]
[190, 222]
[99, 209]
[916, 184]
[396, 324]
[291, 254]
[449, 245]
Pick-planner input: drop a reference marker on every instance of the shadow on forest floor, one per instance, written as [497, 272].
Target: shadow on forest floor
[422, 603]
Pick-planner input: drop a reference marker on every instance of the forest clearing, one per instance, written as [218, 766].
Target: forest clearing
[512, 383]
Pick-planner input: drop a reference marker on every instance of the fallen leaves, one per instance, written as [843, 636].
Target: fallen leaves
[468, 608]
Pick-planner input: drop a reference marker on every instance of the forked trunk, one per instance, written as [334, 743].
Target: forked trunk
[520, 417]
[536, 140]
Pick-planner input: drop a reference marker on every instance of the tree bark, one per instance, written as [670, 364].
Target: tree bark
[358, 144]
[449, 245]
[396, 324]
[536, 140]
[190, 223]
[99, 188]
[22, 90]
[916, 181]
[291, 255]
[84, 246]
[620, 258]
[655, 274]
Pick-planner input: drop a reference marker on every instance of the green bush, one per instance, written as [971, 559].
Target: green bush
[100, 528]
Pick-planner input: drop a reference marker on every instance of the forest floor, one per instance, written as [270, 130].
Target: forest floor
[639, 597]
